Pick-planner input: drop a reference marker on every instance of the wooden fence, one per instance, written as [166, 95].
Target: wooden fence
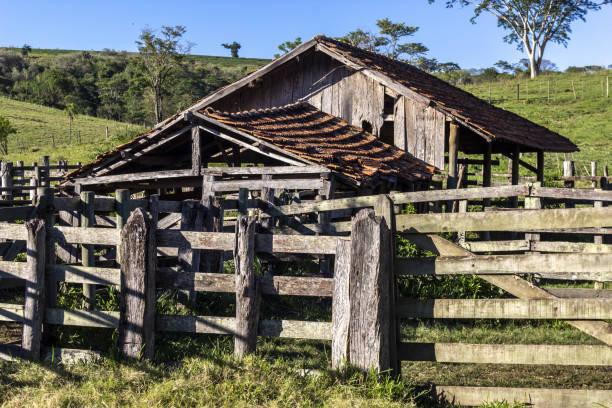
[366, 307]
[19, 182]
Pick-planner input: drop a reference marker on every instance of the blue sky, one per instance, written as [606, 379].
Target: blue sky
[261, 25]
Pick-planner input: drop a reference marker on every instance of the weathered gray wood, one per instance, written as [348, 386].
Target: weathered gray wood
[91, 236]
[505, 221]
[575, 247]
[11, 214]
[572, 193]
[247, 290]
[517, 287]
[85, 318]
[585, 309]
[196, 151]
[226, 325]
[580, 293]
[341, 310]
[453, 149]
[538, 397]
[370, 330]
[68, 253]
[269, 285]
[87, 251]
[192, 219]
[568, 355]
[84, 274]
[290, 184]
[34, 305]
[519, 245]
[6, 173]
[263, 242]
[540, 166]
[591, 265]
[138, 259]
[13, 270]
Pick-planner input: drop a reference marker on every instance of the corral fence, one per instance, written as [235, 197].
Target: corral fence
[19, 183]
[366, 306]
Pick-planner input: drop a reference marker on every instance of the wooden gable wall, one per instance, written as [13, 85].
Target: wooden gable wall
[340, 91]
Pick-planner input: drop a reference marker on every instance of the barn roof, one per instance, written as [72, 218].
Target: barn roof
[299, 130]
[316, 136]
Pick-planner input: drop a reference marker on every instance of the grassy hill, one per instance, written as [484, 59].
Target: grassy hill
[221, 62]
[577, 108]
[38, 126]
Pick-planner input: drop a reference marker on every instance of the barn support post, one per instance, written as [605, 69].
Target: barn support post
[486, 182]
[87, 250]
[515, 171]
[211, 261]
[540, 167]
[569, 170]
[371, 332]
[137, 303]
[453, 151]
[247, 291]
[196, 151]
[122, 207]
[34, 304]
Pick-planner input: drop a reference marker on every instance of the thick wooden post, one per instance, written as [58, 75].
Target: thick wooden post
[211, 261]
[192, 219]
[247, 291]
[267, 195]
[540, 167]
[594, 173]
[138, 259]
[46, 171]
[87, 251]
[516, 154]
[46, 211]
[196, 151]
[122, 207]
[341, 307]
[533, 203]
[371, 334]
[34, 306]
[324, 218]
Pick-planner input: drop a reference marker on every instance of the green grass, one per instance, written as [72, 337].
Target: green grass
[36, 124]
[586, 120]
[219, 61]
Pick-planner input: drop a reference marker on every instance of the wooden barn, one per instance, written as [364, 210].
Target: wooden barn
[326, 117]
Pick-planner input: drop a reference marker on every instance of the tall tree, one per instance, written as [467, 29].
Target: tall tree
[160, 56]
[533, 24]
[71, 114]
[6, 129]
[26, 50]
[288, 46]
[233, 47]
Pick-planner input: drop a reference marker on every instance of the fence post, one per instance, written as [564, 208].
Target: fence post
[34, 305]
[341, 307]
[533, 203]
[7, 180]
[569, 171]
[138, 260]
[594, 173]
[87, 250]
[47, 172]
[371, 334]
[192, 219]
[247, 290]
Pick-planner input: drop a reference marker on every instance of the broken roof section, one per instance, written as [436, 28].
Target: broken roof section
[313, 135]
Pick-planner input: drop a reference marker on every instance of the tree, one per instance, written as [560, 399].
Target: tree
[533, 24]
[388, 42]
[504, 66]
[71, 114]
[6, 129]
[159, 59]
[233, 47]
[288, 46]
[25, 50]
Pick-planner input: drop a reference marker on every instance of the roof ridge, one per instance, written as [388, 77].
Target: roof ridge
[250, 112]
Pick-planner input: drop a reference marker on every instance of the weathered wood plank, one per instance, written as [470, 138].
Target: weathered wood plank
[507, 353]
[15, 213]
[537, 397]
[87, 251]
[585, 309]
[599, 265]
[341, 309]
[87, 318]
[497, 246]
[13, 270]
[578, 247]
[34, 305]
[248, 294]
[291, 184]
[92, 236]
[137, 303]
[580, 293]
[506, 220]
[85, 274]
[572, 193]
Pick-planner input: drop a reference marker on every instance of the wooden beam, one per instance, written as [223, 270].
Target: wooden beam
[540, 166]
[453, 151]
[505, 220]
[572, 309]
[568, 355]
[196, 151]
